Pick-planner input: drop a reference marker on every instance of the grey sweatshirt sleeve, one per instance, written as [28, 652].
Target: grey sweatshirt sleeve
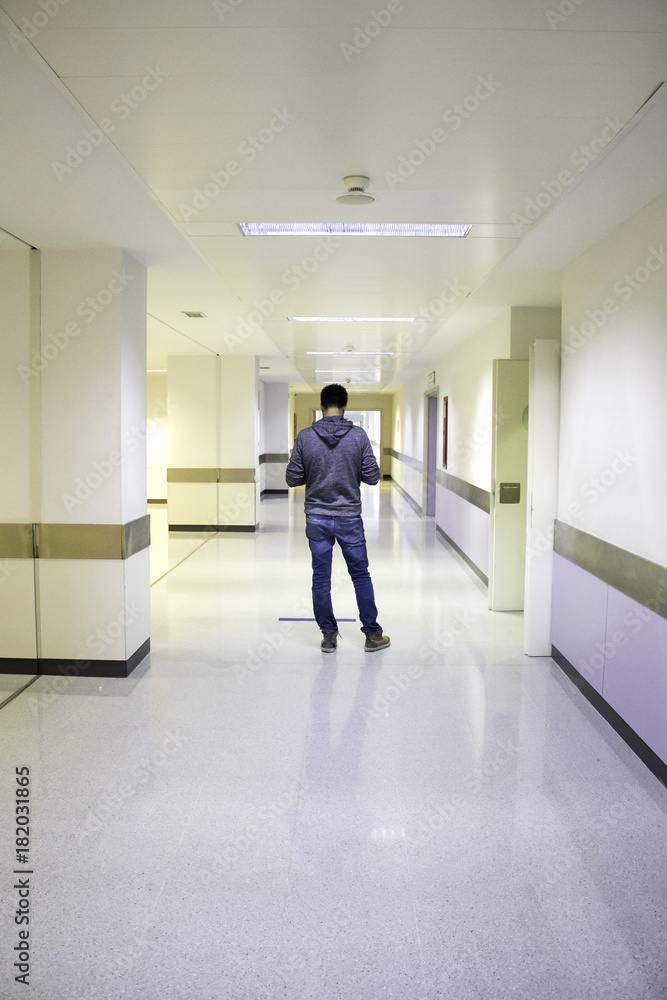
[295, 473]
[370, 470]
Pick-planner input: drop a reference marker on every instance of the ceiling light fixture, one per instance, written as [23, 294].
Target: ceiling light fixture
[356, 186]
[354, 229]
[351, 319]
[370, 354]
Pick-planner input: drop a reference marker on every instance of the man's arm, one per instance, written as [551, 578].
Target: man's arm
[295, 473]
[370, 470]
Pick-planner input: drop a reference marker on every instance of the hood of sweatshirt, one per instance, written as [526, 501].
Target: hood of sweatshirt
[332, 429]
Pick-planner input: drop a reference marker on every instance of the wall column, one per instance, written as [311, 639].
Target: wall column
[274, 437]
[192, 473]
[19, 457]
[93, 579]
[238, 473]
[213, 482]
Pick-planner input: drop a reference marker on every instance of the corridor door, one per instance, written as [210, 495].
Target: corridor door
[509, 460]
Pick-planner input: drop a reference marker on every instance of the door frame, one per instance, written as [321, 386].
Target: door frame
[430, 469]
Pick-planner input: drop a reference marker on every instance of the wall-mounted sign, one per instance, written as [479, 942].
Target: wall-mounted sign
[430, 380]
[510, 493]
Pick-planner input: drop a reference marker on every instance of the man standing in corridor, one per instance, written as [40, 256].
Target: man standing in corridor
[333, 457]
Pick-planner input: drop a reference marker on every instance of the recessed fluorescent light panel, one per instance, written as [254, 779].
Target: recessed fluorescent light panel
[370, 354]
[351, 319]
[353, 229]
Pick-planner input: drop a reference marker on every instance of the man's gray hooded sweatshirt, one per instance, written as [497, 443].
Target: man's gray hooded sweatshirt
[332, 457]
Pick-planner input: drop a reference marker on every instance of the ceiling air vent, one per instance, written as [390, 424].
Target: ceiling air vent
[194, 315]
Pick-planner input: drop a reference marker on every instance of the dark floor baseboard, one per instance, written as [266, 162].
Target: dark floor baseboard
[54, 666]
[476, 570]
[19, 665]
[214, 527]
[618, 724]
[406, 496]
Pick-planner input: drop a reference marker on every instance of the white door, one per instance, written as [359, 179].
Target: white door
[543, 447]
[509, 460]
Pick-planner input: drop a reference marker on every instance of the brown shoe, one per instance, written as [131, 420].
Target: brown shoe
[329, 642]
[376, 641]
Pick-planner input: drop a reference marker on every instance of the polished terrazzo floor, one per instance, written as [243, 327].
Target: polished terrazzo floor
[247, 817]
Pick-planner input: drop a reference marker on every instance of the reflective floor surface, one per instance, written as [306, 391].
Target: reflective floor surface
[247, 817]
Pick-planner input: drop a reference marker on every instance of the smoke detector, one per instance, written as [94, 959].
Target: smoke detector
[356, 186]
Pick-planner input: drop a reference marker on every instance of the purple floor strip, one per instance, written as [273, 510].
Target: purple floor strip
[312, 619]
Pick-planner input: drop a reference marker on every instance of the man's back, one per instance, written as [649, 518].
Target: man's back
[332, 457]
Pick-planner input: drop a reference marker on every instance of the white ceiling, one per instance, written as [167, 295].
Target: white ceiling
[548, 86]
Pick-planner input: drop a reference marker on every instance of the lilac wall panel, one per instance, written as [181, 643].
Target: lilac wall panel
[635, 673]
[578, 619]
[466, 525]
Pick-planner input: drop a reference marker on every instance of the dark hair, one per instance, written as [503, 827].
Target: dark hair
[333, 395]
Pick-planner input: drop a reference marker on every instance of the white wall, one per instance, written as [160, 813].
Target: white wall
[157, 435]
[465, 376]
[19, 386]
[613, 470]
[408, 437]
[95, 353]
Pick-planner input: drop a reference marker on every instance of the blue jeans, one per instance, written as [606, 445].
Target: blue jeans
[321, 533]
